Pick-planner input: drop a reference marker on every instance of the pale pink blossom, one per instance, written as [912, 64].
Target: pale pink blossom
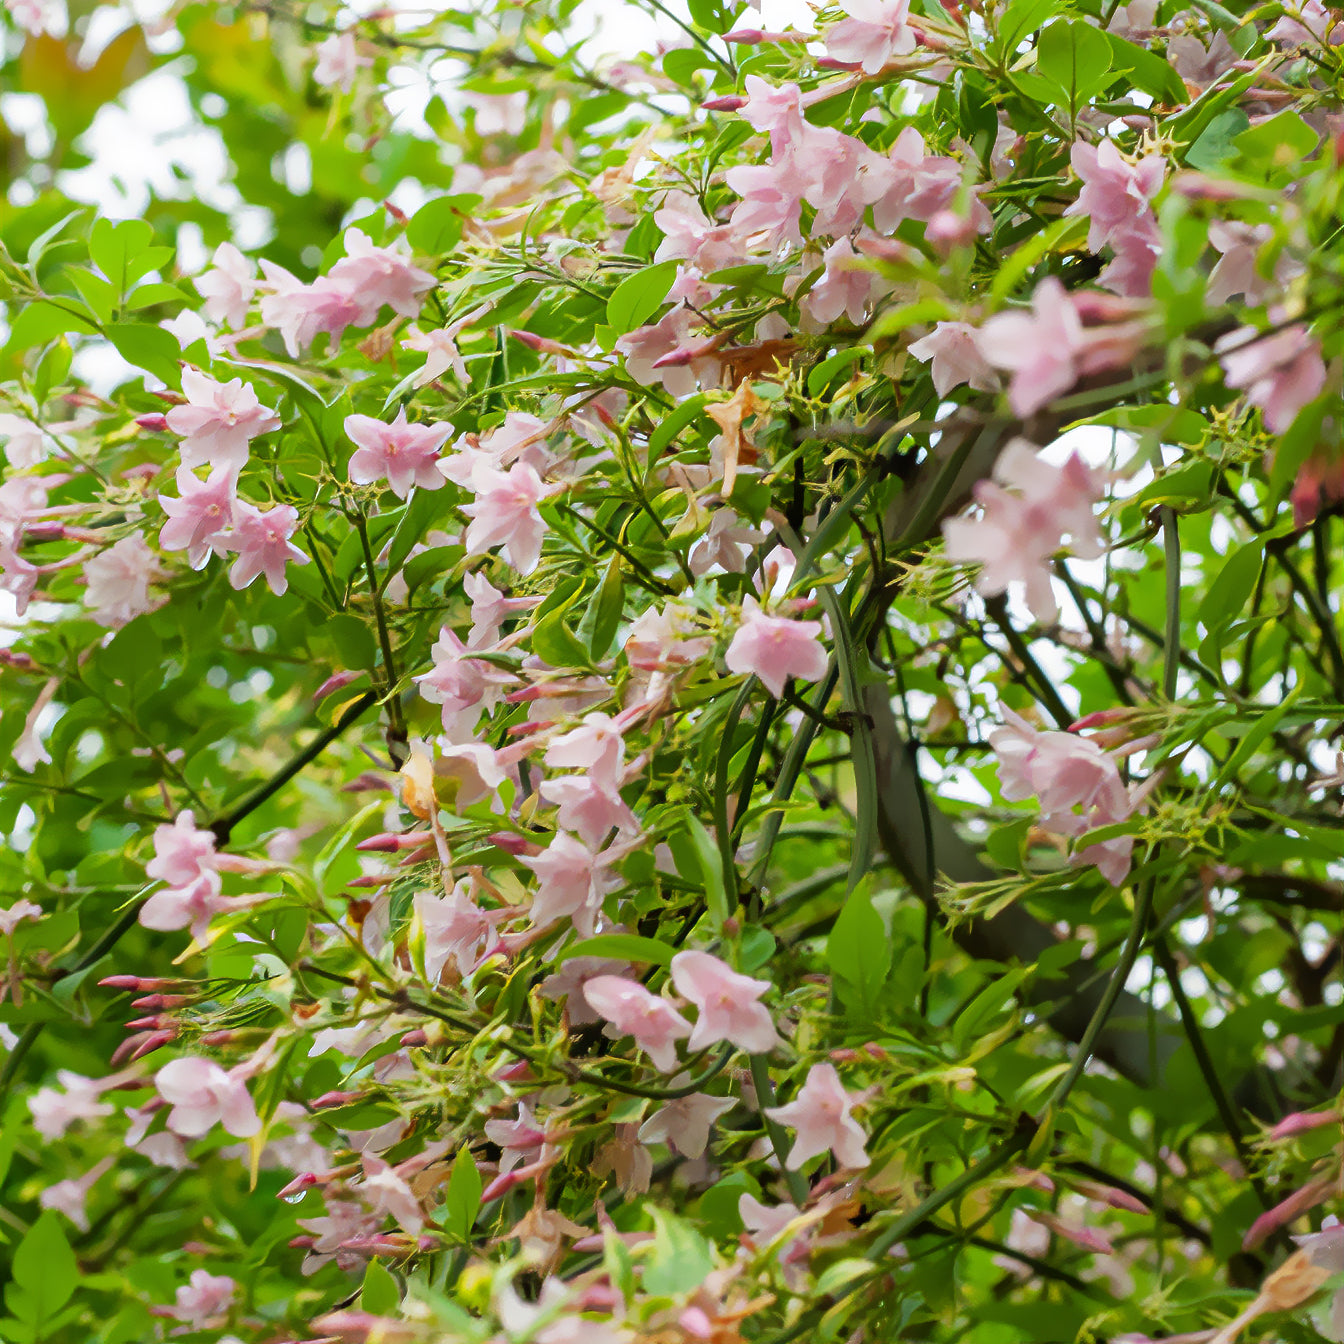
[466, 687]
[876, 32]
[727, 543]
[23, 441]
[402, 454]
[69, 1197]
[504, 513]
[1116, 194]
[588, 807]
[219, 421]
[596, 746]
[775, 648]
[567, 983]
[821, 1116]
[455, 928]
[634, 1011]
[836, 173]
[12, 916]
[191, 906]
[29, 748]
[388, 1193]
[54, 1112]
[1325, 1249]
[689, 235]
[849, 286]
[261, 540]
[473, 767]
[1237, 272]
[377, 276]
[203, 1299]
[203, 1095]
[183, 852]
[201, 510]
[520, 1140]
[1077, 784]
[301, 312]
[1311, 22]
[645, 349]
[662, 637]
[344, 1221]
[770, 209]
[572, 882]
[776, 109]
[727, 1004]
[1028, 511]
[910, 183]
[1280, 373]
[439, 346]
[1041, 349]
[954, 349]
[228, 286]
[684, 1123]
[119, 579]
[338, 62]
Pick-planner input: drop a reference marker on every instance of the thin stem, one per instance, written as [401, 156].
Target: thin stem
[1171, 651]
[765, 1097]
[396, 729]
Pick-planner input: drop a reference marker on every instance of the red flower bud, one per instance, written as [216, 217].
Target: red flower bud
[155, 422]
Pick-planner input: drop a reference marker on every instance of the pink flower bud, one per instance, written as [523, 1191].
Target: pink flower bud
[137, 982]
[214, 1038]
[143, 1044]
[728, 103]
[414, 1038]
[1302, 1121]
[387, 842]
[1313, 1193]
[163, 1001]
[304, 1181]
[328, 1099]
[155, 422]
[334, 683]
[156, 1020]
[540, 344]
[511, 843]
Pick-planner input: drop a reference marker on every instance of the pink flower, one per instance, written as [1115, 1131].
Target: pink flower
[776, 648]
[1116, 194]
[1021, 529]
[455, 927]
[203, 1298]
[727, 1004]
[338, 62]
[1040, 349]
[202, 510]
[684, 1123]
[770, 205]
[849, 285]
[12, 916]
[659, 638]
[1312, 22]
[203, 1095]
[54, 1112]
[954, 349]
[377, 276]
[645, 348]
[300, 312]
[1280, 373]
[183, 853]
[1078, 786]
[688, 235]
[219, 421]
[465, 686]
[475, 769]
[262, 543]
[633, 1011]
[821, 1115]
[70, 1196]
[572, 883]
[388, 1192]
[596, 746]
[228, 286]
[119, 579]
[23, 441]
[876, 32]
[505, 513]
[913, 184]
[402, 454]
[588, 807]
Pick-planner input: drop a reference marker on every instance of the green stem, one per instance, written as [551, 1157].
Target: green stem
[765, 1097]
[396, 730]
[1171, 651]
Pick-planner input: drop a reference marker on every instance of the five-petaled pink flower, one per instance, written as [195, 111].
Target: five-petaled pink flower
[228, 286]
[776, 648]
[400, 453]
[634, 1011]
[202, 1095]
[1280, 373]
[820, 1114]
[505, 512]
[727, 1003]
[219, 421]
[204, 1297]
[261, 540]
[572, 882]
[875, 32]
[955, 351]
[118, 581]
[202, 509]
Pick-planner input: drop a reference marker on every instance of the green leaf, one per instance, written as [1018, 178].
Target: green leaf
[639, 296]
[609, 609]
[621, 946]
[353, 639]
[1216, 144]
[381, 1294]
[1078, 58]
[697, 858]
[1022, 17]
[681, 1259]
[117, 250]
[672, 425]
[45, 1272]
[437, 226]
[557, 644]
[1280, 142]
[1147, 70]
[859, 953]
[1226, 596]
[462, 1202]
[149, 348]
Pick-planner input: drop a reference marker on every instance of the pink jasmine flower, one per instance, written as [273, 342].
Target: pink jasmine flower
[489, 608]
[202, 1095]
[1116, 195]
[1040, 349]
[192, 905]
[875, 33]
[202, 510]
[23, 441]
[568, 982]
[402, 454]
[821, 1116]
[646, 347]
[913, 184]
[388, 1193]
[440, 349]
[300, 312]
[1236, 272]
[204, 1297]
[684, 1123]
[572, 883]
[588, 807]
[770, 205]
[837, 174]
[633, 1011]
[1078, 786]
[690, 236]
[262, 543]
[499, 113]
[849, 285]
[659, 638]
[70, 1196]
[474, 767]
[774, 108]
[775, 648]
[727, 544]
[378, 276]
[119, 579]
[466, 687]
[338, 62]
[183, 853]
[505, 513]
[29, 749]
[596, 746]
[1280, 373]
[219, 421]
[1022, 527]
[12, 916]
[727, 1004]
[54, 1112]
[521, 1138]
[1312, 22]
[954, 349]
[1325, 1250]
[455, 928]
[228, 286]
